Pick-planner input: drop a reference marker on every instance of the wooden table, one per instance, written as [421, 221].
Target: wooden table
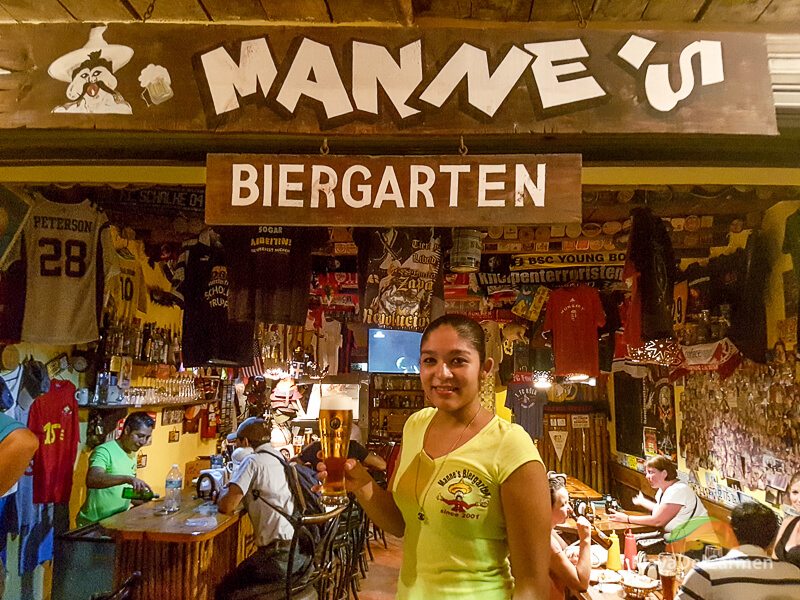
[177, 560]
[612, 592]
[606, 525]
[580, 491]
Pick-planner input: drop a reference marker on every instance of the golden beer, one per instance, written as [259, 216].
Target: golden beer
[335, 423]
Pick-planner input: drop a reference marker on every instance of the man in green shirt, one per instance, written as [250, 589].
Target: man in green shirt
[112, 467]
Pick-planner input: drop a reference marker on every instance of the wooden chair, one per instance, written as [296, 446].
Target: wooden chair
[125, 591]
[317, 580]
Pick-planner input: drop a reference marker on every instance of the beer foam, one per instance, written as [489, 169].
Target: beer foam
[336, 402]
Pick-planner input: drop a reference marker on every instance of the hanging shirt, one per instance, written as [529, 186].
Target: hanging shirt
[527, 404]
[402, 271]
[573, 315]
[329, 344]
[128, 290]
[54, 419]
[270, 271]
[68, 257]
[201, 284]
[34, 521]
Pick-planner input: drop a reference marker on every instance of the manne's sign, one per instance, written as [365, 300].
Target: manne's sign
[392, 190]
[402, 80]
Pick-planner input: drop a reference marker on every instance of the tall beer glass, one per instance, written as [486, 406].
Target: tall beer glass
[667, 570]
[335, 423]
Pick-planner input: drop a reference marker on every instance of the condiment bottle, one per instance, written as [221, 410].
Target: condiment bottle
[613, 562]
[630, 551]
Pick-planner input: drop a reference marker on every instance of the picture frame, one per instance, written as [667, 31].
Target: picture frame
[174, 436]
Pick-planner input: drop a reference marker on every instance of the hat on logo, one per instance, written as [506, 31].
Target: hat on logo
[35, 382]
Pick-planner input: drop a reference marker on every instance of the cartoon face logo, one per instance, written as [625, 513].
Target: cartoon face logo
[462, 497]
[90, 72]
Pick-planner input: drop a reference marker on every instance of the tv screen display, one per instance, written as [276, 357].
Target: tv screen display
[393, 351]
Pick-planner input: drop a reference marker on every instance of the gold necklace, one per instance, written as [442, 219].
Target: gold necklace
[421, 512]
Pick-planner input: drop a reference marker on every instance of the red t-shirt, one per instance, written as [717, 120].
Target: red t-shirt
[574, 315]
[54, 420]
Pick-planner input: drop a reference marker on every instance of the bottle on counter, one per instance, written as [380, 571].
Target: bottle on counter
[631, 561]
[173, 487]
[614, 562]
[132, 494]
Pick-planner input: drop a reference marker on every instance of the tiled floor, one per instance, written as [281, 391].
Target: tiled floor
[381, 581]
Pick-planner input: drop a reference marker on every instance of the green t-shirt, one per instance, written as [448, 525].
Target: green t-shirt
[460, 551]
[102, 503]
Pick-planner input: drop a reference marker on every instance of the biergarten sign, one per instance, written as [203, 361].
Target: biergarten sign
[383, 80]
[392, 190]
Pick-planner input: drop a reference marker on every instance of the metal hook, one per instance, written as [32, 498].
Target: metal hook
[462, 149]
[581, 21]
[324, 150]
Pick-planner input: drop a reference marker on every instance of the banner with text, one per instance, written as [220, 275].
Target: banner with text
[392, 190]
[348, 80]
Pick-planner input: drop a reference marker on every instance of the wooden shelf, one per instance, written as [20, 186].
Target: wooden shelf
[156, 405]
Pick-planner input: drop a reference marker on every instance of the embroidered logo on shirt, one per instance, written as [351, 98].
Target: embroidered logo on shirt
[463, 494]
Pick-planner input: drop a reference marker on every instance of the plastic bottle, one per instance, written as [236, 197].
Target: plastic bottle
[630, 551]
[132, 494]
[173, 487]
[613, 562]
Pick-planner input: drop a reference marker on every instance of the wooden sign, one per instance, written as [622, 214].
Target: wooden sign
[493, 79]
[458, 191]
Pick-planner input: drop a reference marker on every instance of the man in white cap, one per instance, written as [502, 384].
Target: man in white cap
[259, 478]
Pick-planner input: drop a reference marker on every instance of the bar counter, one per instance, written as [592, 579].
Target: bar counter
[178, 560]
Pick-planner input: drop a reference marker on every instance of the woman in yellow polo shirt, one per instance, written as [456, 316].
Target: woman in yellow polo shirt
[469, 491]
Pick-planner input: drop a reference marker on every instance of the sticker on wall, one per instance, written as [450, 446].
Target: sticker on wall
[156, 84]
[174, 436]
[141, 461]
[90, 72]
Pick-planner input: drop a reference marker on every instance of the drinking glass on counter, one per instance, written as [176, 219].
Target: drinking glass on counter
[711, 552]
[335, 423]
[667, 570]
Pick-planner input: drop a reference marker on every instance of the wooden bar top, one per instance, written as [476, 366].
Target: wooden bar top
[143, 522]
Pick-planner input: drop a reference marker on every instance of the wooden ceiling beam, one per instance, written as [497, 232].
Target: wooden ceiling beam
[559, 10]
[235, 10]
[98, 10]
[359, 11]
[308, 11]
[682, 11]
[172, 10]
[619, 10]
[782, 11]
[734, 11]
[36, 10]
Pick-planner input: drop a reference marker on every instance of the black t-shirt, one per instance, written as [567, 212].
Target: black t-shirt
[270, 271]
[355, 450]
[201, 283]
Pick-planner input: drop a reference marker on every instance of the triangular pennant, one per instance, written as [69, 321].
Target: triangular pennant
[559, 439]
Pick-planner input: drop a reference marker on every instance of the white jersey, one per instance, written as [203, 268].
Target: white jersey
[68, 257]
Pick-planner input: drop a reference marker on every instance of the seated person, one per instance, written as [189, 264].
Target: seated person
[355, 450]
[112, 467]
[564, 575]
[747, 570]
[675, 503]
[259, 478]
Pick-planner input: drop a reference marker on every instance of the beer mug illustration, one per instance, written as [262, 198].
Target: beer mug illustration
[157, 85]
[335, 422]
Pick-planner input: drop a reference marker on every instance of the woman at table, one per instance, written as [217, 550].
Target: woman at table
[469, 490]
[564, 574]
[787, 545]
[675, 502]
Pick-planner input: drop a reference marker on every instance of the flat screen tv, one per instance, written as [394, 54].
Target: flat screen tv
[392, 351]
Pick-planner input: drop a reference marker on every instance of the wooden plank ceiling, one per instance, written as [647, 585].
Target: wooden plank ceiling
[707, 12]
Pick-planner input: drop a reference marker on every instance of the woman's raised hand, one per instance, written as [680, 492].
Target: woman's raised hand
[355, 475]
[584, 528]
[639, 499]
